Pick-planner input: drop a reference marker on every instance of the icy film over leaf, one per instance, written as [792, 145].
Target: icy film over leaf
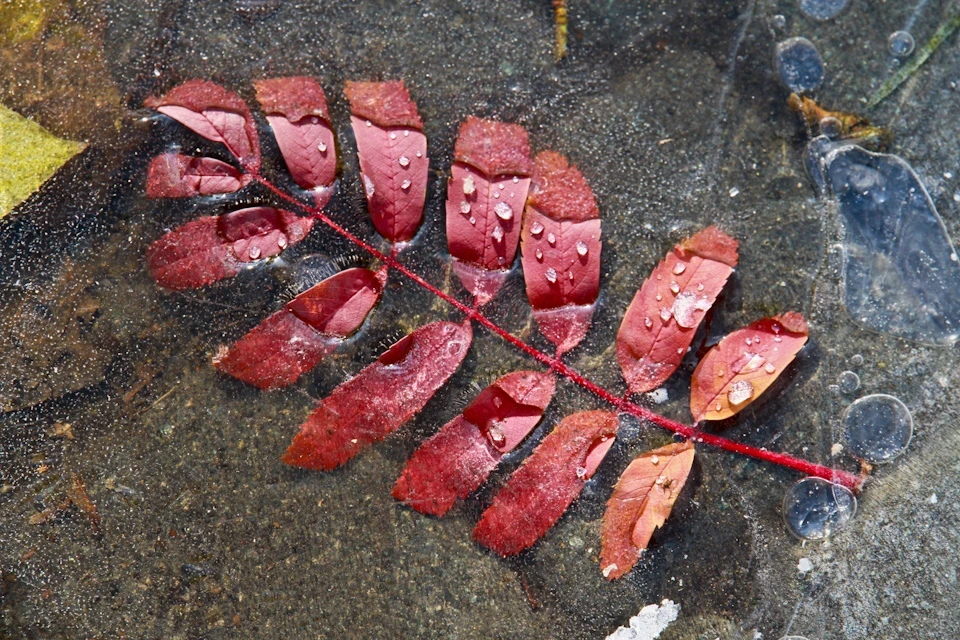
[561, 251]
[641, 502]
[547, 482]
[216, 114]
[174, 175]
[744, 364]
[293, 340]
[663, 317]
[379, 399]
[486, 193]
[456, 460]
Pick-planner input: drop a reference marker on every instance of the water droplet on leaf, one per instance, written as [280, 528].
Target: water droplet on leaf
[550, 274]
[740, 391]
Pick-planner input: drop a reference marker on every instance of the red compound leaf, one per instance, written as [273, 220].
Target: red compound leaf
[744, 364]
[173, 175]
[641, 503]
[561, 246]
[459, 458]
[663, 317]
[216, 114]
[379, 399]
[393, 156]
[547, 482]
[295, 339]
[216, 247]
[485, 197]
[296, 109]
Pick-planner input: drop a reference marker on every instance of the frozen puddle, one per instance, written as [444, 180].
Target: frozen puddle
[900, 270]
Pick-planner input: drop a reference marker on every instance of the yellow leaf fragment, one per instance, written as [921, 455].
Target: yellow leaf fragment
[641, 503]
[29, 155]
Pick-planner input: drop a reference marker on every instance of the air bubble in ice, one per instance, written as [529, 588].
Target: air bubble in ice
[901, 44]
[799, 65]
[848, 382]
[822, 9]
[813, 508]
[877, 428]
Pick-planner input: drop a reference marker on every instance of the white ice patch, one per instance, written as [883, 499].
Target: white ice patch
[804, 565]
[649, 623]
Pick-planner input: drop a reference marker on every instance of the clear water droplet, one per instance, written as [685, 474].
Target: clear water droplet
[369, 124]
[664, 314]
[254, 252]
[473, 220]
[740, 391]
[877, 428]
[550, 274]
[813, 508]
[536, 228]
[654, 460]
[718, 406]
[700, 287]
[368, 186]
[901, 44]
[419, 155]
[552, 239]
[501, 186]
[322, 148]
[679, 351]
[497, 233]
[582, 248]
[407, 134]
[685, 307]
[393, 136]
[516, 179]
[659, 297]
[464, 207]
[496, 194]
[282, 242]
[405, 185]
[647, 322]
[469, 187]
[769, 368]
[675, 288]
[848, 382]
[581, 472]
[503, 211]
[679, 268]
[404, 161]
[539, 254]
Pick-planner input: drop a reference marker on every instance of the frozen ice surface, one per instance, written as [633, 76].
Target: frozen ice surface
[814, 508]
[799, 65]
[649, 623]
[900, 268]
[877, 428]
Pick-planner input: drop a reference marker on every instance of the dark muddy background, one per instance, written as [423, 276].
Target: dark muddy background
[677, 118]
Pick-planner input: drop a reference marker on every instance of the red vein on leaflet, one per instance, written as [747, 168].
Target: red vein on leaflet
[850, 480]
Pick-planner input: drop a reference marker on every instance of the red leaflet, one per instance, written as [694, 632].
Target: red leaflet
[216, 114]
[393, 156]
[215, 247]
[293, 340]
[375, 402]
[744, 364]
[547, 482]
[561, 251]
[641, 503]
[173, 175]
[663, 317]
[296, 109]
[485, 196]
[459, 457]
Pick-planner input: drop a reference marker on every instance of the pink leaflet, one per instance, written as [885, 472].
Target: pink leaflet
[393, 167]
[485, 198]
[547, 482]
[560, 245]
[293, 340]
[456, 460]
[385, 104]
[173, 175]
[379, 399]
[215, 247]
[562, 277]
[216, 114]
[296, 109]
[663, 317]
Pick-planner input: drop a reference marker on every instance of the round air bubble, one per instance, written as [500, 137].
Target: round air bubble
[901, 44]
[848, 382]
[813, 508]
[799, 65]
[877, 428]
[822, 9]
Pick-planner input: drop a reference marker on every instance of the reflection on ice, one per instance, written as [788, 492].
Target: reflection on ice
[900, 270]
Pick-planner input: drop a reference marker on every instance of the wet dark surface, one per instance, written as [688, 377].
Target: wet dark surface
[675, 113]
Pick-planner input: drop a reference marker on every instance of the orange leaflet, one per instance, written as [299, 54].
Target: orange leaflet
[744, 364]
[641, 503]
[663, 317]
